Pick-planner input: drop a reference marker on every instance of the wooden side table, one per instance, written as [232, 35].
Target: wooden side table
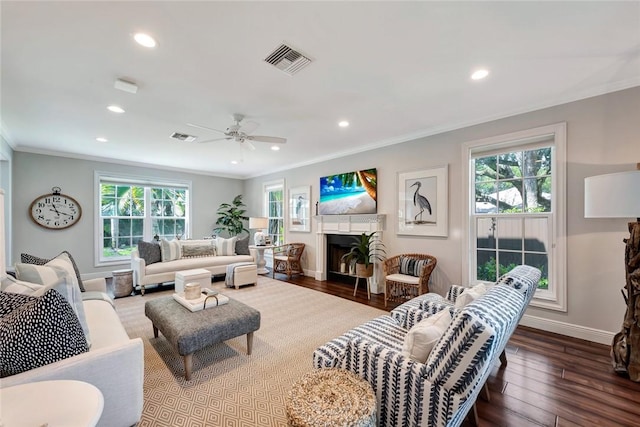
[53, 403]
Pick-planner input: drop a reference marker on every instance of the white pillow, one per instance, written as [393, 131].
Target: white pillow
[226, 247]
[58, 274]
[424, 335]
[170, 250]
[470, 294]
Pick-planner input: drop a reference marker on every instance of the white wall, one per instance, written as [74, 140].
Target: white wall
[36, 174]
[603, 136]
[6, 163]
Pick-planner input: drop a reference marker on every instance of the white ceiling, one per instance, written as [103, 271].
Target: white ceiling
[395, 70]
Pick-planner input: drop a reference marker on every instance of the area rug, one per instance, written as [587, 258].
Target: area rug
[227, 387]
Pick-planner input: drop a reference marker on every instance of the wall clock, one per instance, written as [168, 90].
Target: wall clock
[55, 211]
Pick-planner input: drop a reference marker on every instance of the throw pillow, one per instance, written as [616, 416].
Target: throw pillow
[150, 252]
[55, 275]
[32, 259]
[470, 294]
[41, 331]
[170, 250]
[242, 246]
[198, 250]
[424, 335]
[412, 266]
[11, 301]
[225, 247]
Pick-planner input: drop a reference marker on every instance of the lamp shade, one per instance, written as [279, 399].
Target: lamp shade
[615, 195]
[258, 223]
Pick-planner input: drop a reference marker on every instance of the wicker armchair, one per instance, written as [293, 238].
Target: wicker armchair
[402, 287]
[286, 259]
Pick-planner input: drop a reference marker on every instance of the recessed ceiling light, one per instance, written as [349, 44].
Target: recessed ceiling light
[343, 124]
[145, 40]
[101, 139]
[479, 74]
[275, 148]
[234, 162]
[115, 109]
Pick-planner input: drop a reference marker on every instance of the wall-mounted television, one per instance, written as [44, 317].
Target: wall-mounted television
[349, 193]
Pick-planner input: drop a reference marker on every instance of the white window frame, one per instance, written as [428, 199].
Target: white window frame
[126, 179]
[266, 188]
[555, 298]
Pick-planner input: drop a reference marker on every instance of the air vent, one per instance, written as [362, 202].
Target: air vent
[183, 137]
[287, 60]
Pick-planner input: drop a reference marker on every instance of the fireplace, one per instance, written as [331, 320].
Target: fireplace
[333, 239]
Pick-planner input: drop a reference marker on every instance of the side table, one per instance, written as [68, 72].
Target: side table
[53, 403]
[331, 397]
[122, 282]
[260, 261]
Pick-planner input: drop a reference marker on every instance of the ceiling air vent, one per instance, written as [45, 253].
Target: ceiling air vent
[288, 60]
[183, 137]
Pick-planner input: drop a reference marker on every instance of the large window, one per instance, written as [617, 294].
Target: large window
[274, 209]
[132, 210]
[516, 209]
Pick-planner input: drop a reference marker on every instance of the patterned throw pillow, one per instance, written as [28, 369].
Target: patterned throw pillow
[195, 251]
[412, 266]
[10, 301]
[242, 246]
[32, 259]
[56, 274]
[170, 250]
[225, 247]
[150, 252]
[41, 331]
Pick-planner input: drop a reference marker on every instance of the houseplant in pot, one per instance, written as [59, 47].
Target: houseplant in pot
[231, 217]
[365, 250]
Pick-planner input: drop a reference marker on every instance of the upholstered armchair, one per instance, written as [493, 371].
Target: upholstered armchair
[407, 276]
[286, 259]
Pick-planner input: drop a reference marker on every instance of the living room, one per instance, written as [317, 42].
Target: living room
[601, 137]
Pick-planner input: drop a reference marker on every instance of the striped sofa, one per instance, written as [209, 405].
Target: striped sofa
[441, 391]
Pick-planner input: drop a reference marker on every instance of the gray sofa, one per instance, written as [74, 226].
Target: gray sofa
[442, 390]
[114, 363]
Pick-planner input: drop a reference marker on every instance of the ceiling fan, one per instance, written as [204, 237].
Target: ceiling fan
[240, 132]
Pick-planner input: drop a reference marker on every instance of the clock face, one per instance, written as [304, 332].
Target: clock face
[55, 211]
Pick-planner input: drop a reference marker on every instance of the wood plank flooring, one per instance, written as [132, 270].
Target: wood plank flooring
[550, 379]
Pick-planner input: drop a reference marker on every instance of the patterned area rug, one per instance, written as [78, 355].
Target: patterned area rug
[229, 388]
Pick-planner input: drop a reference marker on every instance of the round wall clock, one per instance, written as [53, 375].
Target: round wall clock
[55, 211]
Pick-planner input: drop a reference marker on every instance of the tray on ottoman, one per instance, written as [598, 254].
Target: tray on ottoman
[189, 331]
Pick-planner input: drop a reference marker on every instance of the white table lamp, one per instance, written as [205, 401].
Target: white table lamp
[259, 223]
[617, 195]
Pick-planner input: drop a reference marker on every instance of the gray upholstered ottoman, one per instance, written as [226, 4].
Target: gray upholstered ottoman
[191, 331]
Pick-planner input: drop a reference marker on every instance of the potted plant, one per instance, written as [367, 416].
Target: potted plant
[231, 217]
[365, 250]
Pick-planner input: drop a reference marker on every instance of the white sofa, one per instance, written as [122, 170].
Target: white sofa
[161, 272]
[114, 363]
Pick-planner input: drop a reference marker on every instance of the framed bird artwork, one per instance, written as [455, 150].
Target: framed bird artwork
[423, 202]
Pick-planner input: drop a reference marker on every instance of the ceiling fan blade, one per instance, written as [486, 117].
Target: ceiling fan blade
[248, 127]
[215, 139]
[205, 128]
[272, 139]
[248, 145]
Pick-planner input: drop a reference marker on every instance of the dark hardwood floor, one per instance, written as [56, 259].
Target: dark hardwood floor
[549, 380]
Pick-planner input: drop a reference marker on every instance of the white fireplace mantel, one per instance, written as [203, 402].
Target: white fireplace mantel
[348, 225]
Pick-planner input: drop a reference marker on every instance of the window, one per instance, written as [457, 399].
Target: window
[131, 210]
[516, 209]
[274, 208]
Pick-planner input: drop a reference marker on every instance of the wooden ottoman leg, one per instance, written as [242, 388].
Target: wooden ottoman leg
[249, 343]
[188, 363]
[155, 331]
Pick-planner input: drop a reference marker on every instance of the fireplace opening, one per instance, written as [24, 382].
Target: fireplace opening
[337, 246]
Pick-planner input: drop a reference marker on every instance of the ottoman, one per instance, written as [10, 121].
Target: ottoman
[189, 331]
[331, 397]
[198, 275]
[241, 273]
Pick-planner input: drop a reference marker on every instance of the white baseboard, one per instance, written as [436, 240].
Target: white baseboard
[571, 330]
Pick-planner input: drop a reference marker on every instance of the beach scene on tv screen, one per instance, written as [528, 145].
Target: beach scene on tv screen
[348, 193]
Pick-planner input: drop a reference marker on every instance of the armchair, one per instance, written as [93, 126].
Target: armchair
[406, 276]
[286, 259]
